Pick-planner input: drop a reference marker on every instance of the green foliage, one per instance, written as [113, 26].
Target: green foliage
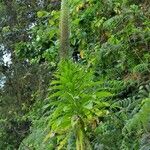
[44, 45]
[141, 68]
[39, 115]
[145, 142]
[144, 91]
[41, 14]
[141, 119]
[76, 101]
[79, 111]
[36, 138]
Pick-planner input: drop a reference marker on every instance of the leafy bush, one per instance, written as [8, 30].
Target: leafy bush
[76, 102]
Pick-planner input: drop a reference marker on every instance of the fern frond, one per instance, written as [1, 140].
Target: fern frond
[142, 118]
[125, 102]
[144, 91]
[145, 142]
[141, 68]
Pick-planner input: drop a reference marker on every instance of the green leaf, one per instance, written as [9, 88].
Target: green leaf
[56, 94]
[41, 14]
[89, 105]
[103, 94]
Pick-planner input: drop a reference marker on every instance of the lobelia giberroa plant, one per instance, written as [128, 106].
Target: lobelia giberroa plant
[76, 101]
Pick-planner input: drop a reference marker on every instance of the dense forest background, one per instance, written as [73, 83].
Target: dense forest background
[98, 97]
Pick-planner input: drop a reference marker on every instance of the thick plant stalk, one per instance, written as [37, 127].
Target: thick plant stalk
[80, 145]
[64, 30]
[82, 142]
